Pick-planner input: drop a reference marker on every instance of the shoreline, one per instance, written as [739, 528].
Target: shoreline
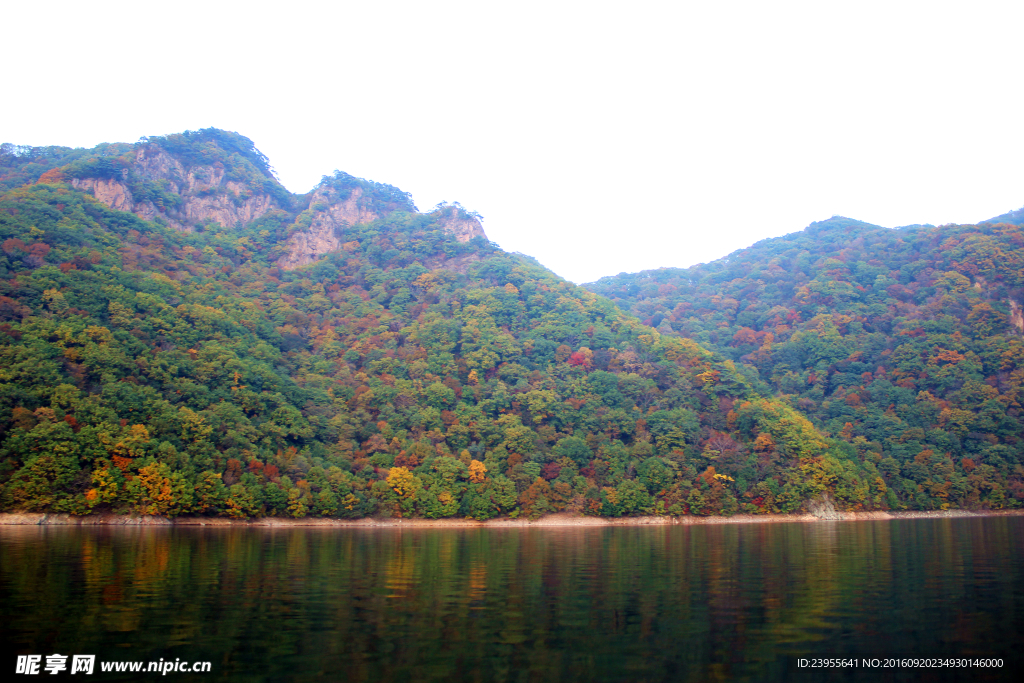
[553, 520]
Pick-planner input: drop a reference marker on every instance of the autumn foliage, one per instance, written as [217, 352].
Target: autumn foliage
[154, 371]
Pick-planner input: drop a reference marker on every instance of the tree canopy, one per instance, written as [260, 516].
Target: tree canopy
[148, 370]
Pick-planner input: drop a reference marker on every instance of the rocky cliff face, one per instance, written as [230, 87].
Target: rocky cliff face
[211, 192]
[325, 234]
[1016, 316]
[206, 193]
[464, 226]
[113, 193]
[347, 208]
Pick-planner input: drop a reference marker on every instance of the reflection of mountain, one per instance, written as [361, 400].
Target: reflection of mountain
[684, 603]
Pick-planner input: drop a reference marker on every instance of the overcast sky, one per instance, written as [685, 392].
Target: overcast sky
[599, 137]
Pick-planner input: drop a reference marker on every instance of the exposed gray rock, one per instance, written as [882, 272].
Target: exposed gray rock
[823, 507]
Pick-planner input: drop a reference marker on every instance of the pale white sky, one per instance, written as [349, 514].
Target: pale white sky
[599, 137]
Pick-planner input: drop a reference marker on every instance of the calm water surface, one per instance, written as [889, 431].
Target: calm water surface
[704, 603]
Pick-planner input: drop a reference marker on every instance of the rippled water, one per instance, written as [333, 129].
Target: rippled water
[673, 603]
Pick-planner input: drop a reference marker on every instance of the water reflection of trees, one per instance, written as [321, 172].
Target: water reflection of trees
[717, 602]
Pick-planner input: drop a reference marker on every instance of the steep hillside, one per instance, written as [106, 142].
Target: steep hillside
[906, 344]
[179, 335]
[214, 179]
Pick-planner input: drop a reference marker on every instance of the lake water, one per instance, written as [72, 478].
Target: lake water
[741, 602]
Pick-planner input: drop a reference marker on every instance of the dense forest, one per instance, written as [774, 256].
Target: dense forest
[161, 360]
[903, 345]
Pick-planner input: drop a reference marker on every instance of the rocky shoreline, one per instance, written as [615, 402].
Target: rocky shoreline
[554, 520]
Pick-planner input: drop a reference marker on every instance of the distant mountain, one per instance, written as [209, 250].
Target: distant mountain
[1012, 217]
[905, 344]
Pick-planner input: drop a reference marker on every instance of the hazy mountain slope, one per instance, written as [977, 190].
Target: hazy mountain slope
[1015, 217]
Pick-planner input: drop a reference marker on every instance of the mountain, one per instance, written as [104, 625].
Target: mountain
[1013, 217]
[906, 344]
[181, 335]
[210, 177]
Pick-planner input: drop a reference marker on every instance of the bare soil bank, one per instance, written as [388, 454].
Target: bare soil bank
[556, 520]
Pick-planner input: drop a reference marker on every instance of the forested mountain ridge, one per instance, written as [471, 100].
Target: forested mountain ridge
[906, 344]
[340, 354]
[1015, 217]
[210, 177]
